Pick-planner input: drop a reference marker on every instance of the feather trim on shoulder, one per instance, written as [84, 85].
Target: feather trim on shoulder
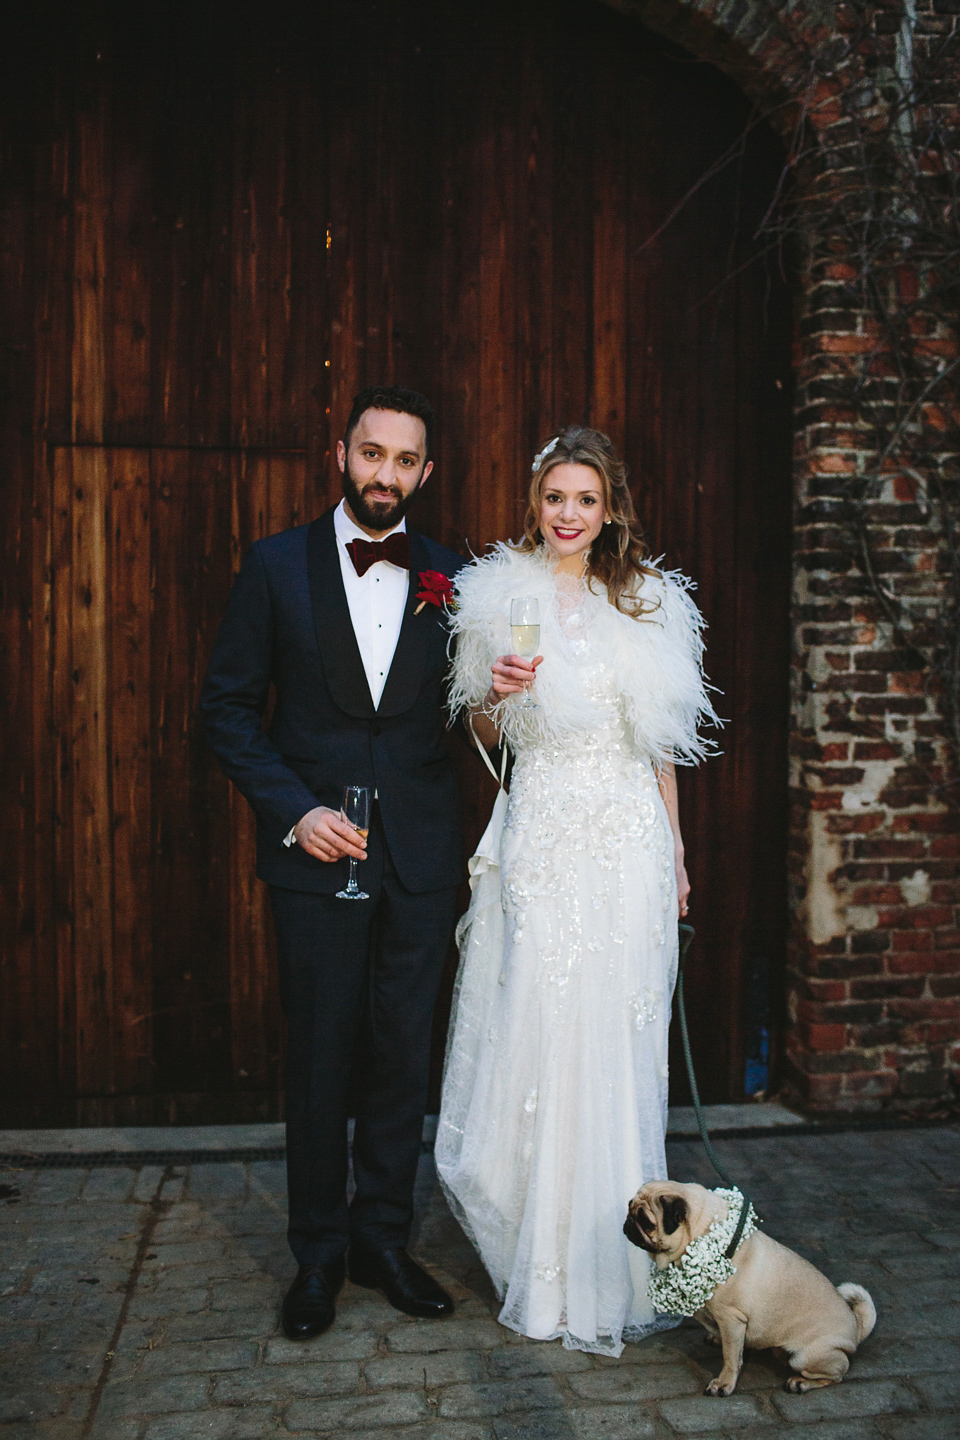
[657, 658]
[660, 666]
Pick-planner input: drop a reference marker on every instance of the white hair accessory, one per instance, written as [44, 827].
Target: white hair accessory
[539, 458]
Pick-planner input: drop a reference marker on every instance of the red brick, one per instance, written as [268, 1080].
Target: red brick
[824, 1037]
[908, 682]
[831, 464]
[920, 917]
[925, 822]
[845, 345]
[926, 1009]
[876, 895]
[910, 940]
[947, 348]
[916, 962]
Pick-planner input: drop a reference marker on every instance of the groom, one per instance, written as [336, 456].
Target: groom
[329, 613]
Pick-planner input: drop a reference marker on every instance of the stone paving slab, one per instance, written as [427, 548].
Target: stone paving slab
[139, 1302]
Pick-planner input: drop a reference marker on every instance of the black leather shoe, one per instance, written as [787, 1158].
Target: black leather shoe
[406, 1286]
[308, 1306]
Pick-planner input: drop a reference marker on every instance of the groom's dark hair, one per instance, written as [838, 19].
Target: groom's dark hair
[391, 397]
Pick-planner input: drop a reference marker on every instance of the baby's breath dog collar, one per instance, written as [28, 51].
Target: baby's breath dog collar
[684, 1286]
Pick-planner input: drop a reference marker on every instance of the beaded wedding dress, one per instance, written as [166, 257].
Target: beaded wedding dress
[555, 1085]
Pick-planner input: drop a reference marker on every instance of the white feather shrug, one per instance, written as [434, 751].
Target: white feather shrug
[656, 658]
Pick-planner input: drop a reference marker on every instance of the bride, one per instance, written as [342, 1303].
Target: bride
[555, 1086]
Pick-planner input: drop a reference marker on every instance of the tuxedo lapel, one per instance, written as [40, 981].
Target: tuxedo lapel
[406, 672]
[339, 651]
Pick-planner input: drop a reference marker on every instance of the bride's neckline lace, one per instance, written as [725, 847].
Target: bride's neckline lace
[571, 592]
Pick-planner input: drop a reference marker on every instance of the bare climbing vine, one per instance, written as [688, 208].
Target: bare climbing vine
[869, 200]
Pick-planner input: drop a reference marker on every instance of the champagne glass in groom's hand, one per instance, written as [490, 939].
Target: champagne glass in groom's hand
[357, 804]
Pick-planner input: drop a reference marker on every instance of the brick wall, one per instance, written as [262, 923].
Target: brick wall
[873, 971]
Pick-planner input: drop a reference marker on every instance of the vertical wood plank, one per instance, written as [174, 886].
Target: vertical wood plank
[27, 990]
[535, 239]
[572, 220]
[286, 356]
[286, 492]
[207, 159]
[462, 468]
[130, 742]
[497, 413]
[346, 270]
[644, 442]
[248, 311]
[383, 140]
[309, 287]
[91, 228]
[178, 1067]
[257, 486]
[128, 282]
[173, 219]
[609, 175]
[64, 837]
[54, 260]
[89, 727]
[209, 839]
[190, 1001]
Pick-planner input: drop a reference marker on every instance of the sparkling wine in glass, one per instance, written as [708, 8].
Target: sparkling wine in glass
[357, 804]
[525, 635]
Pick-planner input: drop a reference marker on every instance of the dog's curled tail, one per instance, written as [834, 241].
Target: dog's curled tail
[864, 1310]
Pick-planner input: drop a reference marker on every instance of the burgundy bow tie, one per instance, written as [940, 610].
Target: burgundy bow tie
[396, 549]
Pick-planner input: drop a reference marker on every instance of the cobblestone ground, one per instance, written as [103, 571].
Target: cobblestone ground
[142, 1305]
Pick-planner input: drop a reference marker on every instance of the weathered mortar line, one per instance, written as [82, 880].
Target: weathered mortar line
[156, 1211]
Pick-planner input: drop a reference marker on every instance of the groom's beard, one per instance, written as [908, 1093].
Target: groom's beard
[375, 514]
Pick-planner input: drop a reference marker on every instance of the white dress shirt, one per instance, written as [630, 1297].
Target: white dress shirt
[376, 602]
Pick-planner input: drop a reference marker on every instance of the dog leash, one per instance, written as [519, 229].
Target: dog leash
[686, 935]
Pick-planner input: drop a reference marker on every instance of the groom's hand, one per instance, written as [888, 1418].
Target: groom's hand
[325, 835]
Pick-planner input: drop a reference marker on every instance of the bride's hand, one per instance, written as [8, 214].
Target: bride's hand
[510, 674]
[683, 884]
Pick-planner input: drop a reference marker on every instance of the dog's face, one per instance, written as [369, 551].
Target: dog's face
[661, 1218]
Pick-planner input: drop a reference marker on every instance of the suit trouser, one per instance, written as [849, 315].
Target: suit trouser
[357, 977]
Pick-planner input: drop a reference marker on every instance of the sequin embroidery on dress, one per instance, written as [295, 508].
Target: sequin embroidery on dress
[555, 1087]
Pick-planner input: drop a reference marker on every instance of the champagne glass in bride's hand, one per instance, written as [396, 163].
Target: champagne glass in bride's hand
[357, 804]
[525, 636]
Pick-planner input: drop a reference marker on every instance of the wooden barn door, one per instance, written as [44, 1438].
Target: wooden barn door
[219, 222]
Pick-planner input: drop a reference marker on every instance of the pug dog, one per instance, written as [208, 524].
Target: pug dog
[774, 1299]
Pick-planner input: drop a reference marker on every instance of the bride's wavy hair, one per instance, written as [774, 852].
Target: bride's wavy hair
[619, 555]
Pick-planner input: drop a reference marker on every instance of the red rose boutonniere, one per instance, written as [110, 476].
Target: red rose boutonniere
[435, 589]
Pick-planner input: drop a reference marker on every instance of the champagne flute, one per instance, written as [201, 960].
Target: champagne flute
[525, 636]
[357, 804]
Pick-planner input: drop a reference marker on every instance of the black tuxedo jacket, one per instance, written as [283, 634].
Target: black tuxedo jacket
[288, 622]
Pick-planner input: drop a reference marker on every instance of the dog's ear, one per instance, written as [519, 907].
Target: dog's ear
[674, 1212]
